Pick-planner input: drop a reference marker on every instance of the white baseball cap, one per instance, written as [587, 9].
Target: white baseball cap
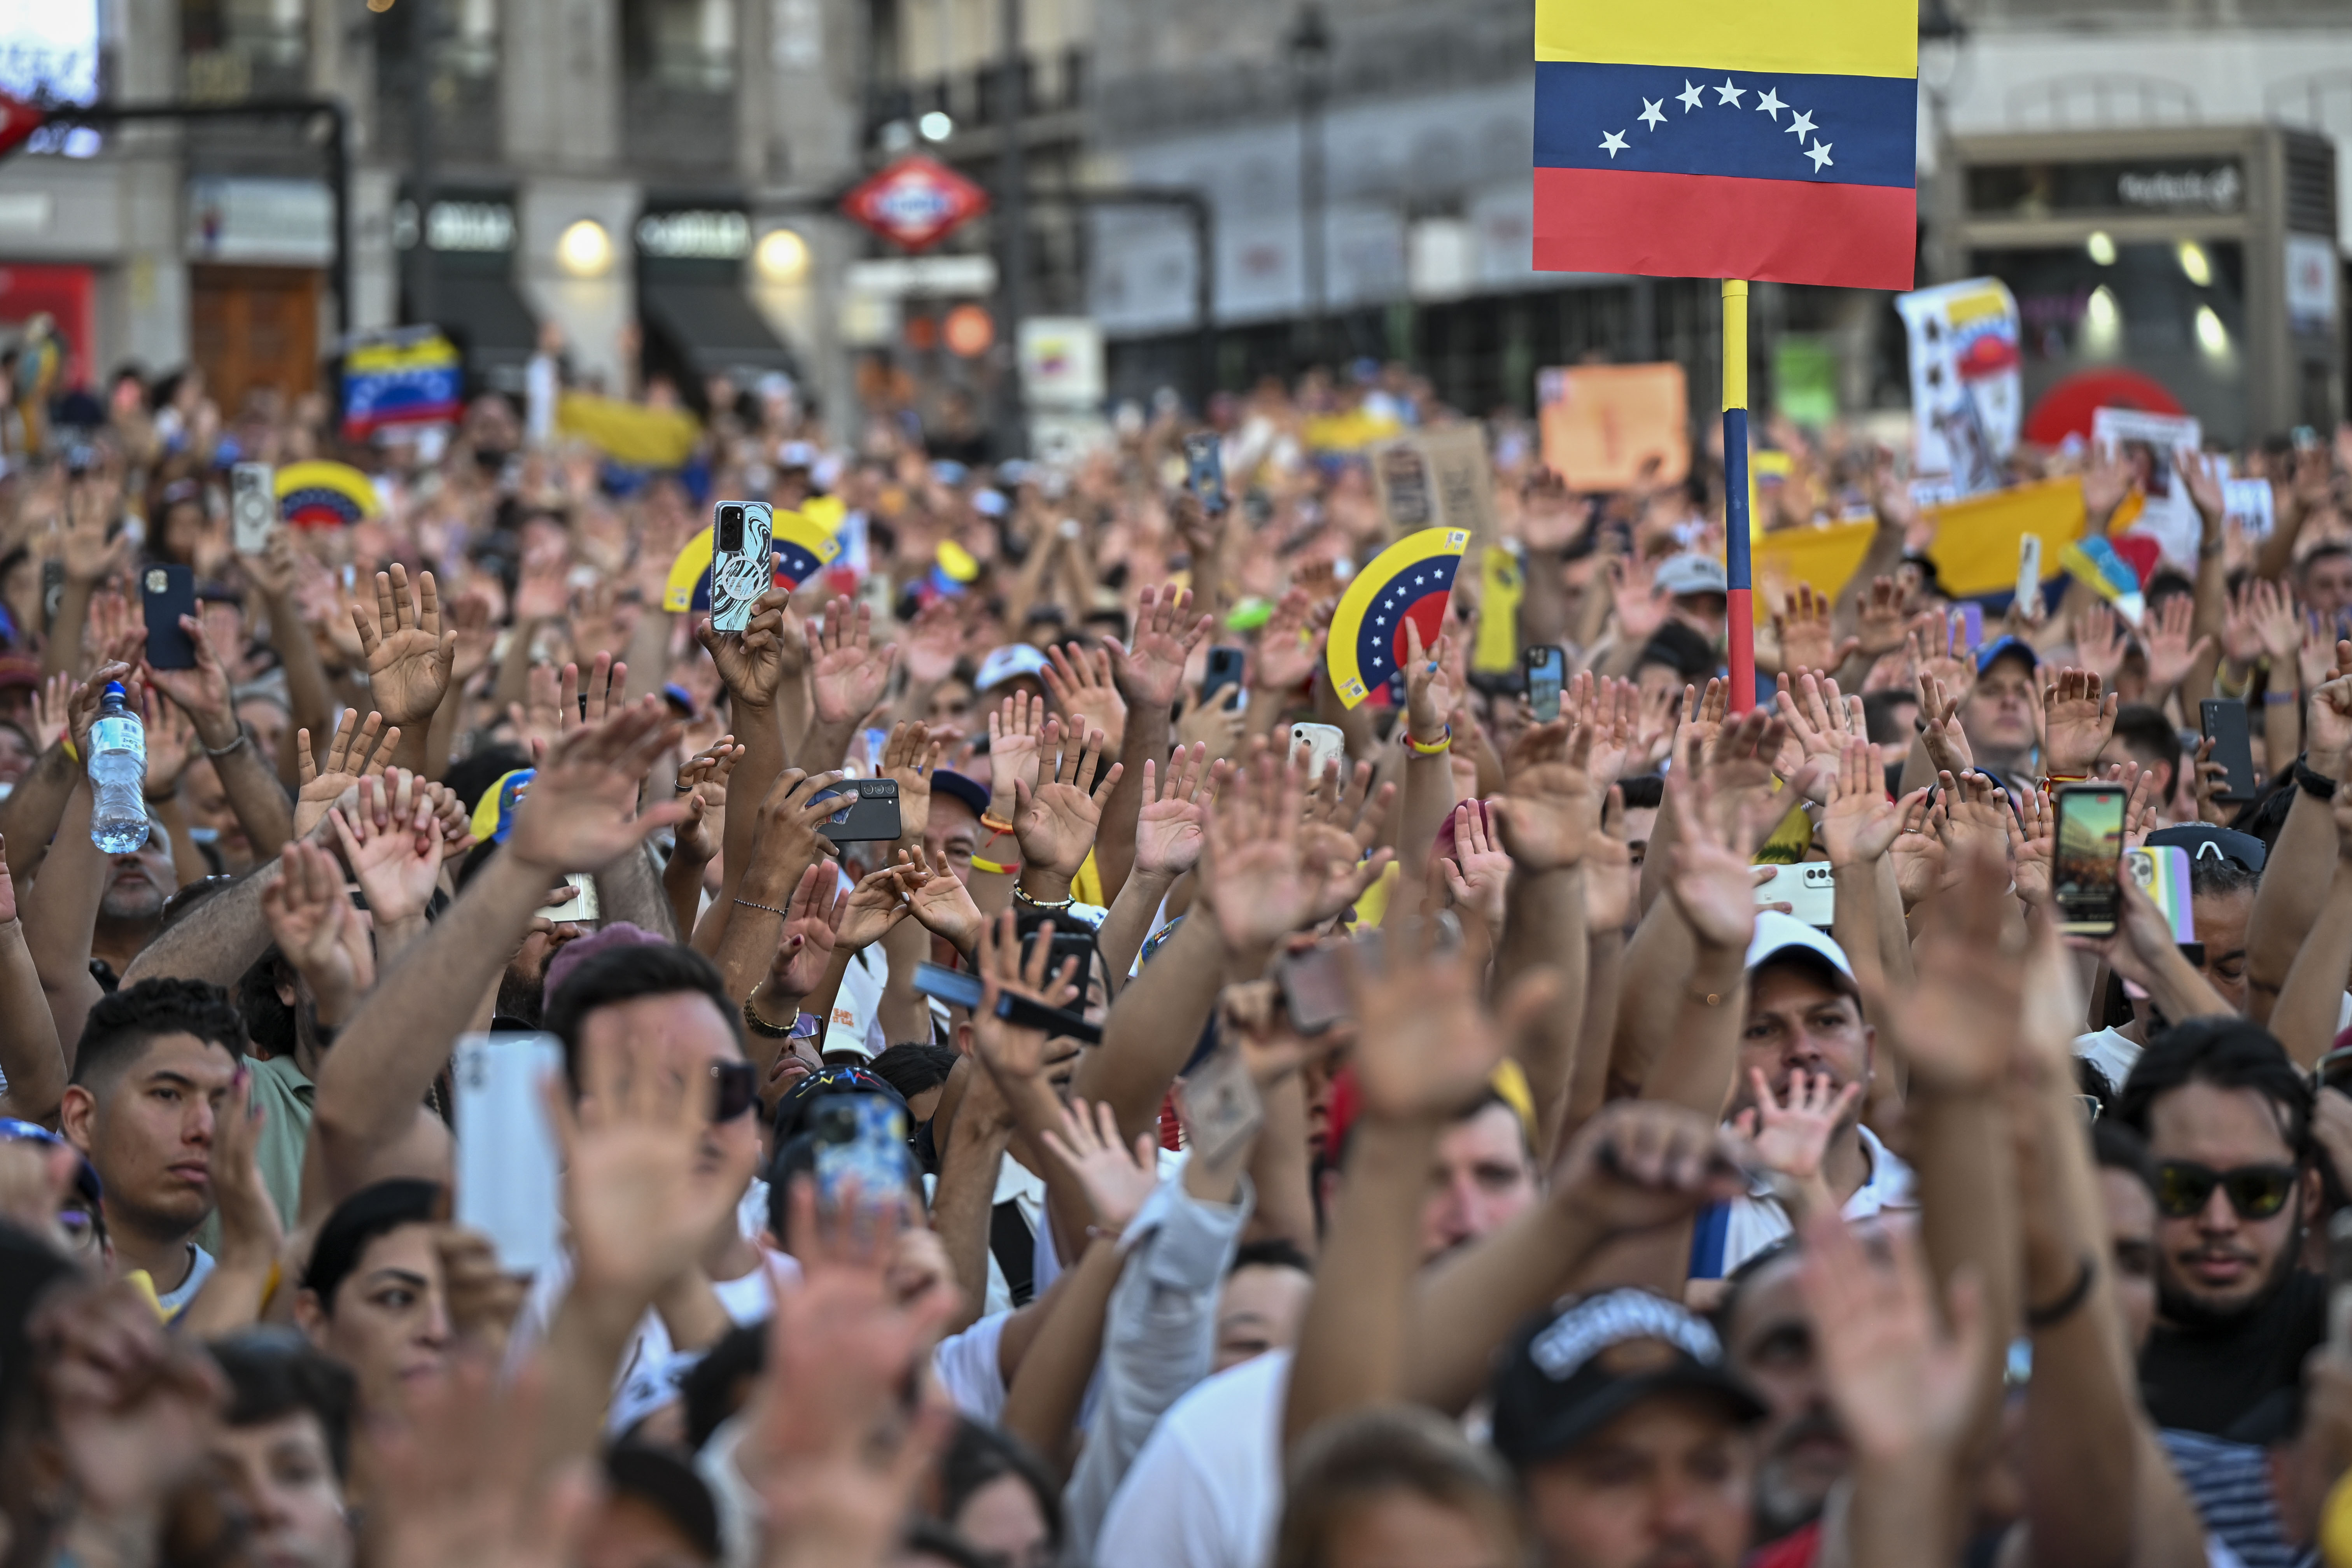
[1006, 663]
[1777, 934]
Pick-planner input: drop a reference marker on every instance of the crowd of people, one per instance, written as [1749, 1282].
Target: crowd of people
[1439, 1157]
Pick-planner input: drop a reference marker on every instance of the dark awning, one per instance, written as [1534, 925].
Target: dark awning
[485, 316]
[712, 327]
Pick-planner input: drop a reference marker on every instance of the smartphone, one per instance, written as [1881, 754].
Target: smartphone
[252, 506]
[1807, 888]
[1314, 988]
[861, 1140]
[1547, 670]
[509, 1184]
[578, 908]
[1325, 745]
[2028, 567]
[1224, 669]
[1972, 623]
[2090, 857]
[169, 591]
[1204, 470]
[2224, 723]
[53, 592]
[2162, 872]
[867, 812]
[742, 565]
[958, 989]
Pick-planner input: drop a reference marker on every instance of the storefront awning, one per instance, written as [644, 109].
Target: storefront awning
[712, 327]
[485, 316]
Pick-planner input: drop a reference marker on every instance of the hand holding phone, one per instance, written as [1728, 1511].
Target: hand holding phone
[1204, 470]
[1547, 674]
[508, 1183]
[742, 562]
[252, 506]
[2087, 869]
[167, 592]
[2224, 723]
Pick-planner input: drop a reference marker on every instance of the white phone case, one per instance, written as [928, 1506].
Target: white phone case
[252, 506]
[1808, 888]
[738, 577]
[1325, 745]
[508, 1183]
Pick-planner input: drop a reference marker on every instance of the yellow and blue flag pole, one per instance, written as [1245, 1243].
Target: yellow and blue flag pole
[1737, 575]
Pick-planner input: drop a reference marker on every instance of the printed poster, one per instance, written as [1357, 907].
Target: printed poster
[1602, 422]
[1965, 401]
[2147, 442]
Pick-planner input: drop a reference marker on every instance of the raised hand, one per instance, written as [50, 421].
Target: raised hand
[1479, 870]
[1055, 822]
[2203, 484]
[1789, 1138]
[872, 910]
[202, 692]
[1709, 879]
[1151, 672]
[2032, 843]
[2075, 723]
[2327, 720]
[170, 745]
[1434, 1046]
[938, 898]
[315, 926]
[1701, 722]
[1080, 684]
[1820, 721]
[1016, 731]
[1642, 1164]
[358, 748]
[1640, 605]
[579, 813]
[596, 698]
[702, 786]
[406, 653]
[476, 634]
[1549, 805]
[1015, 1052]
[1807, 635]
[811, 922]
[451, 1487]
[250, 1224]
[934, 644]
[1336, 829]
[751, 661]
[1611, 709]
[643, 1183]
[50, 701]
[1172, 826]
[1902, 1386]
[2170, 655]
[1428, 690]
[1939, 726]
[2107, 480]
[1859, 823]
[785, 841]
[2101, 640]
[391, 845]
[1879, 623]
[911, 756]
[1551, 516]
[1116, 1177]
[1289, 645]
[846, 673]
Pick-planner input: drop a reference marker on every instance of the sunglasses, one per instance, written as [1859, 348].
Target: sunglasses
[735, 1089]
[2183, 1188]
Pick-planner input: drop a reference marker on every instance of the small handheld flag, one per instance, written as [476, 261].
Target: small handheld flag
[802, 548]
[324, 495]
[1727, 139]
[2095, 562]
[1410, 580]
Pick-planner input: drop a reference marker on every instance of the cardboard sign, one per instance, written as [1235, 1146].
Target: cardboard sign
[2147, 442]
[1602, 422]
[1436, 479]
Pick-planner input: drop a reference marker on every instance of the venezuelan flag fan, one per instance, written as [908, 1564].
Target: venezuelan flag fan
[1728, 138]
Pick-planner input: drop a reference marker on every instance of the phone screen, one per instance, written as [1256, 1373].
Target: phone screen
[2090, 850]
[1546, 669]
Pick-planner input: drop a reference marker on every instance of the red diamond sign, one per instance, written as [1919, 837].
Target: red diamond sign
[917, 202]
[18, 121]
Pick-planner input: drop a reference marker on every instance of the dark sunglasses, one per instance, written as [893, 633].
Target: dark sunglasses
[2183, 1188]
[735, 1089]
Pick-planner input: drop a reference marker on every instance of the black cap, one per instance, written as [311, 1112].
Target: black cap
[792, 1107]
[670, 1485]
[1570, 1374]
[970, 791]
[2206, 842]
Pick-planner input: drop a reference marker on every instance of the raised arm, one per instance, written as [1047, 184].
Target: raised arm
[1714, 894]
[1428, 741]
[273, 572]
[407, 655]
[30, 1057]
[2309, 1004]
[1150, 676]
[847, 676]
[1548, 814]
[2301, 868]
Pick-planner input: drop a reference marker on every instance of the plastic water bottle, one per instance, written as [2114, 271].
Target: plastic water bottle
[118, 772]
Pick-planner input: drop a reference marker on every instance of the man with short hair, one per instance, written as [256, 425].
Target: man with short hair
[155, 1063]
[2144, 735]
[1998, 712]
[1804, 1014]
[1631, 1438]
[2227, 1117]
[283, 1445]
[2323, 581]
[130, 910]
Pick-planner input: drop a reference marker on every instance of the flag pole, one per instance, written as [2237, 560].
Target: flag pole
[1741, 632]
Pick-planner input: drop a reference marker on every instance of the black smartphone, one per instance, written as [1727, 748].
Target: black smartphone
[1204, 470]
[961, 990]
[169, 591]
[867, 811]
[1547, 673]
[2088, 873]
[53, 591]
[2224, 723]
[1224, 669]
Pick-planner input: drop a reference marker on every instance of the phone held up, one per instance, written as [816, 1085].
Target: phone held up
[168, 590]
[1204, 470]
[2085, 874]
[1547, 673]
[2224, 723]
[507, 1178]
[252, 506]
[1325, 745]
[742, 565]
[866, 810]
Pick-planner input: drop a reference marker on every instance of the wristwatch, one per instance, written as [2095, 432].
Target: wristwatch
[760, 1026]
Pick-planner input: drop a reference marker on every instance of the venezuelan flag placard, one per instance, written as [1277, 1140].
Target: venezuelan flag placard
[803, 547]
[1411, 581]
[1754, 139]
[322, 494]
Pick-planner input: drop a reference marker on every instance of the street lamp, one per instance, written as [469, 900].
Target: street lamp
[1309, 44]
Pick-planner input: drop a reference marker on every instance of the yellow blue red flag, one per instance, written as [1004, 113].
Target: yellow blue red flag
[1755, 139]
[1411, 581]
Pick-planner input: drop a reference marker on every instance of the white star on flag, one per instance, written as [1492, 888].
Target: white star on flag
[1612, 142]
[1820, 153]
[1690, 95]
[1653, 112]
[1800, 126]
[1770, 104]
[1730, 94]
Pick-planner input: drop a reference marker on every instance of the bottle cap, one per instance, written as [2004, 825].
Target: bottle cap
[114, 689]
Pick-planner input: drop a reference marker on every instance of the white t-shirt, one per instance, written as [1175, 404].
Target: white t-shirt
[2109, 1051]
[968, 1366]
[1206, 1490]
[1729, 1234]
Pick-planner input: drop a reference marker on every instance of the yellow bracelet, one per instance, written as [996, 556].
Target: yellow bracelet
[980, 865]
[67, 742]
[1430, 748]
